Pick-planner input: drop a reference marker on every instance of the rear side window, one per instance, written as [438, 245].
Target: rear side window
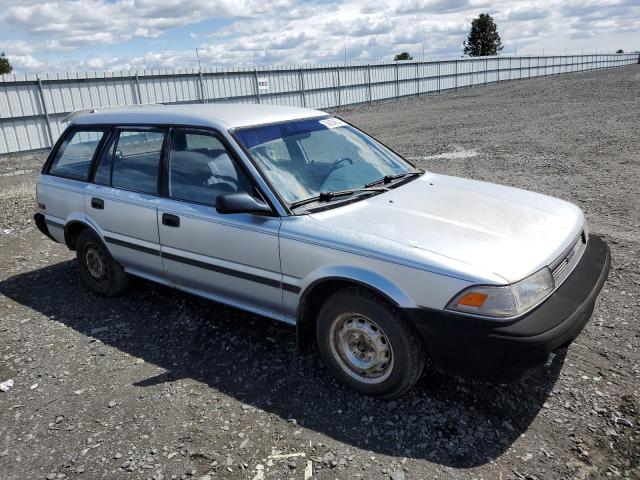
[73, 159]
[135, 159]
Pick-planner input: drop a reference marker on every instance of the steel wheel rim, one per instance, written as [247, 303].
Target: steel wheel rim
[361, 348]
[95, 262]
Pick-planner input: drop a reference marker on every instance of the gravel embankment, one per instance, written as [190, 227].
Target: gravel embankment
[158, 384]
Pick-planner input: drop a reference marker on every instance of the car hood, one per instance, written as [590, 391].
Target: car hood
[506, 231]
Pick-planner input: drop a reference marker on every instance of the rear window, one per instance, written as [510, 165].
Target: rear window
[73, 159]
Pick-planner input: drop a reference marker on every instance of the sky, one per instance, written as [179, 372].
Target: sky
[98, 35]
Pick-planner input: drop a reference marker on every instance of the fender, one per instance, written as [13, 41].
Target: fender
[77, 218]
[305, 318]
[361, 276]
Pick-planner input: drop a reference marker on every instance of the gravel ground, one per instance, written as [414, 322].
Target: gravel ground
[159, 384]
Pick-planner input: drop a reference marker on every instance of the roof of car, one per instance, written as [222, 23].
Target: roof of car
[222, 116]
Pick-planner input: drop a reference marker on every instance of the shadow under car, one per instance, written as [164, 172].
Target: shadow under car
[444, 420]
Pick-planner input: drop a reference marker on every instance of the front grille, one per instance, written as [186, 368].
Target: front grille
[563, 266]
[559, 269]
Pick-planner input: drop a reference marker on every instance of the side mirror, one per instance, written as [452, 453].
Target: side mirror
[241, 202]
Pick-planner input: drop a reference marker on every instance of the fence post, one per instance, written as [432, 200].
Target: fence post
[456, 77]
[255, 76]
[339, 89]
[138, 89]
[45, 111]
[486, 68]
[498, 68]
[202, 94]
[224, 84]
[304, 100]
[417, 80]
[438, 64]
[519, 68]
[397, 82]
[369, 80]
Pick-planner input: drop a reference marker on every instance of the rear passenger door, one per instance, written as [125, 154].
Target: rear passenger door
[123, 198]
[61, 190]
[232, 258]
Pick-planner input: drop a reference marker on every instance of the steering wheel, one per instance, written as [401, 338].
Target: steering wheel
[334, 165]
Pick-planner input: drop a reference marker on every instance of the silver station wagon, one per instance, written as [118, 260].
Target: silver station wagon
[296, 215]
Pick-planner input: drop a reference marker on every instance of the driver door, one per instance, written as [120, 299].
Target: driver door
[233, 258]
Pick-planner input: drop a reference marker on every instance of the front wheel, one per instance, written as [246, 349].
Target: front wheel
[368, 345]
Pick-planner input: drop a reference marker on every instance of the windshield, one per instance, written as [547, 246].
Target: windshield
[303, 158]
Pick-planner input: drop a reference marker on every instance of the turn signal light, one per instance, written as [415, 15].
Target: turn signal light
[42, 206]
[472, 299]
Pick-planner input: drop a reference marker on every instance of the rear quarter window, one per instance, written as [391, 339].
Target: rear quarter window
[73, 158]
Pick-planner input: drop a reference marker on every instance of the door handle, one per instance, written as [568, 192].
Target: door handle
[170, 220]
[97, 203]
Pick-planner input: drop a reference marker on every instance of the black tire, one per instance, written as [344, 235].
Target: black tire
[341, 322]
[90, 251]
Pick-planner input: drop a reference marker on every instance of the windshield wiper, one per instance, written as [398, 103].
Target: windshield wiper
[390, 178]
[326, 196]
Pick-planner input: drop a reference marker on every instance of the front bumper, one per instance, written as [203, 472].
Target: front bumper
[504, 352]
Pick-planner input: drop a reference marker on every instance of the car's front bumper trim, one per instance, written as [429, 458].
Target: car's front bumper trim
[506, 351]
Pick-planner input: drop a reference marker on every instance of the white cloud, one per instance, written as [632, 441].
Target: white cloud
[25, 63]
[75, 34]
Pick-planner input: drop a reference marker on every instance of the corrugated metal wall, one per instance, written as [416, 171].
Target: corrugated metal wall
[32, 107]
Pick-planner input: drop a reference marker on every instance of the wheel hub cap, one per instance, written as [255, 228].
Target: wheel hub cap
[94, 262]
[361, 348]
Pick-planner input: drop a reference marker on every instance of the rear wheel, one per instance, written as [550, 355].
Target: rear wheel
[369, 345]
[99, 271]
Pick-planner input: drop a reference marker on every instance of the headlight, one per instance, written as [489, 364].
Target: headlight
[504, 301]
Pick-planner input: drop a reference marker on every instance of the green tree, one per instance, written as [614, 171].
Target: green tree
[403, 56]
[620, 50]
[483, 37]
[5, 66]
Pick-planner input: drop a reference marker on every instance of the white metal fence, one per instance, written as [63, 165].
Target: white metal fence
[32, 107]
